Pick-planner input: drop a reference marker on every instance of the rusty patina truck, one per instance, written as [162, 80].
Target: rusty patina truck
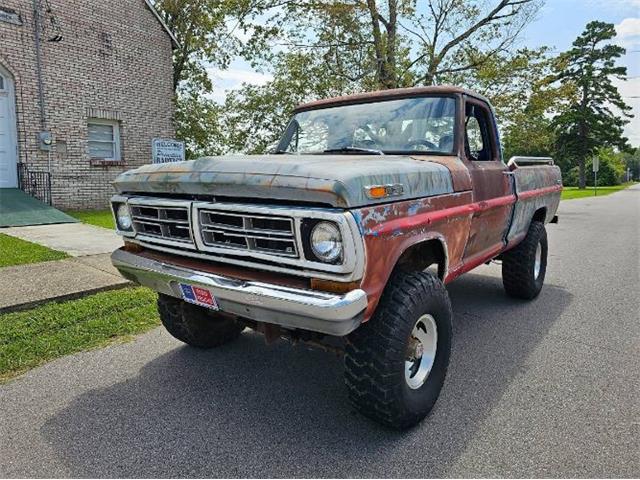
[344, 236]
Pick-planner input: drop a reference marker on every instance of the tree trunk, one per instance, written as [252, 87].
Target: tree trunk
[377, 43]
[391, 26]
[582, 184]
[582, 135]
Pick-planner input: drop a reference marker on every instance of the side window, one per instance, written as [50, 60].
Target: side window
[478, 145]
[1, 83]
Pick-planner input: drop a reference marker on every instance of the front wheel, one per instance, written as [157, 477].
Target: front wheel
[525, 266]
[396, 363]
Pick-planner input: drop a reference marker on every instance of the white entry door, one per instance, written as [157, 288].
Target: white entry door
[8, 150]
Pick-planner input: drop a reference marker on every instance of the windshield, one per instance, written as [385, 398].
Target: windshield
[422, 124]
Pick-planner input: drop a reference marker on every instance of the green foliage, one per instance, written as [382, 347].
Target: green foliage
[632, 162]
[518, 87]
[15, 251]
[348, 45]
[198, 124]
[254, 117]
[589, 122]
[399, 43]
[210, 33]
[31, 337]
[564, 107]
[611, 169]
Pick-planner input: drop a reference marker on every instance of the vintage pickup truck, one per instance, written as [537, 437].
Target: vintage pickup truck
[344, 236]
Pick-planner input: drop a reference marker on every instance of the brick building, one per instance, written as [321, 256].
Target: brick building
[85, 85]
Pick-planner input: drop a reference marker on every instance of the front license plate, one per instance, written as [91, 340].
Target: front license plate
[198, 296]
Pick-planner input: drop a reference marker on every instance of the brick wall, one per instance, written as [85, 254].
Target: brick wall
[114, 62]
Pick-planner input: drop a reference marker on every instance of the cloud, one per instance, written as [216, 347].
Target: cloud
[629, 89]
[238, 76]
[629, 27]
[233, 78]
[617, 4]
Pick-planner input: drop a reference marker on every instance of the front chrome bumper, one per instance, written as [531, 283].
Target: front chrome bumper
[323, 312]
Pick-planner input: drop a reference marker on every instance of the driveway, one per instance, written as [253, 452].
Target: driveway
[546, 388]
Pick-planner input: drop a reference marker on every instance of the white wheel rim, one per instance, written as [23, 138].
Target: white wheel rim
[421, 351]
[538, 262]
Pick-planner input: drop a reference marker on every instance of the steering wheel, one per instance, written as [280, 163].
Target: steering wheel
[426, 143]
[367, 143]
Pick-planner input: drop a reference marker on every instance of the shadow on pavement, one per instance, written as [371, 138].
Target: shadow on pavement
[249, 409]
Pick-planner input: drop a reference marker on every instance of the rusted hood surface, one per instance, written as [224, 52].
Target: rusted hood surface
[337, 180]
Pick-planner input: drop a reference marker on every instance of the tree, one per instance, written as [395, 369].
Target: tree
[611, 169]
[522, 91]
[197, 123]
[590, 122]
[404, 42]
[632, 162]
[210, 34]
[254, 117]
[338, 47]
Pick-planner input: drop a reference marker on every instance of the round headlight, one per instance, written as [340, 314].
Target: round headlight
[124, 217]
[326, 242]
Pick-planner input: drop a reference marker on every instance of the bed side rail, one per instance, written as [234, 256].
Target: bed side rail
[515, 162]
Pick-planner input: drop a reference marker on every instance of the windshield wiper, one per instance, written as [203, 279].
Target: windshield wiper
[370, 151]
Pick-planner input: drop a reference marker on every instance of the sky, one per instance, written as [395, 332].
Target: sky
[558, 23]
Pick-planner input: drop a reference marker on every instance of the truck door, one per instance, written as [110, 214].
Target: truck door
[492, 189]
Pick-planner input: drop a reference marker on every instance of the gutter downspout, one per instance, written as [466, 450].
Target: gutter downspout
[43, 119]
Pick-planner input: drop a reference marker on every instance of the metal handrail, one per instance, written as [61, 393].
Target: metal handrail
[36, 183]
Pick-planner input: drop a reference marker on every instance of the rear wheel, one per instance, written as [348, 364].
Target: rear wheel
[525, 266]
[396, 363]
[197, 326]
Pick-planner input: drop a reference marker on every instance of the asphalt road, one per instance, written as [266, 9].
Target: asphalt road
[547, 388]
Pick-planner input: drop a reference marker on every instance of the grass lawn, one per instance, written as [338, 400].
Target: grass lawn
[569, 193]
[99, 218]
[31, 337]
[15, 251]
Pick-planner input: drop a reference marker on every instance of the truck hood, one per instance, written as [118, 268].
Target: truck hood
[336, 180]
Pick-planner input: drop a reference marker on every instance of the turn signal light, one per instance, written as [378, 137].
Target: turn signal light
[377, 192]
[381, 191]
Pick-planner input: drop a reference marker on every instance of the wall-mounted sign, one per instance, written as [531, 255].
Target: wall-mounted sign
[165, 150]
[10, 16]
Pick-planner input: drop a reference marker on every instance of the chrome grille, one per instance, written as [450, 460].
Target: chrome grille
[170, 223]
[249, 232]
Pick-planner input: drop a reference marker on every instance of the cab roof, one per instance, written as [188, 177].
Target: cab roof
[380, 95]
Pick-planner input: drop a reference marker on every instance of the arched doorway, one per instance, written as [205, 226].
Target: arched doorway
[8, 131]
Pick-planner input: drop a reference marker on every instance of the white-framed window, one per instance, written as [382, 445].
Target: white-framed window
[104, 139]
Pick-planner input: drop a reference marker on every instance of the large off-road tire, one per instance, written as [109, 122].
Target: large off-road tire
[387, 378]
[197, 326]
[524, 267]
